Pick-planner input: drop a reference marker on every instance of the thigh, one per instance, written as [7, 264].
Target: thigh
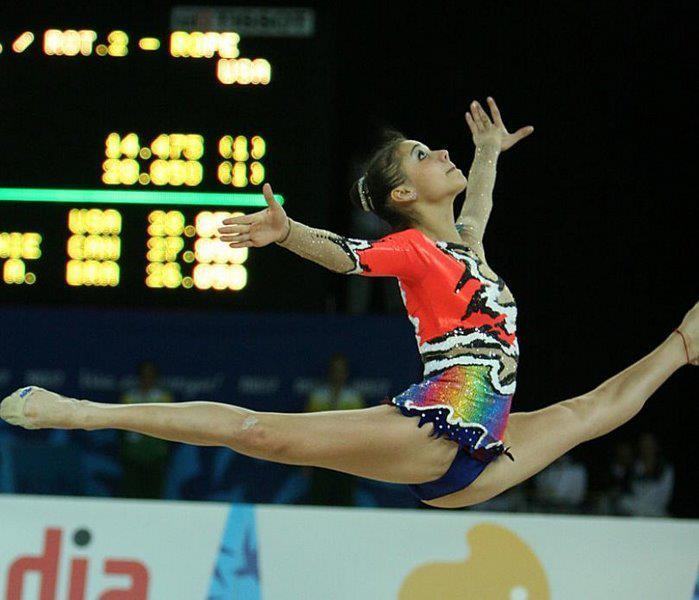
[536, 439]
[376, 443]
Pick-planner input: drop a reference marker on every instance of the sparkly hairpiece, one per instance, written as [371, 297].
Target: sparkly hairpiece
[364, 196]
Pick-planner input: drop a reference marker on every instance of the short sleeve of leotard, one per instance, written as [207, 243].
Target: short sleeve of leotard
[394, 255]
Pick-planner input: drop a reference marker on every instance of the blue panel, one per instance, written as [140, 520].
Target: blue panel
[236, 574]
[257, 361]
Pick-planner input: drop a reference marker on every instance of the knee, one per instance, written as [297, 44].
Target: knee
[585, 414]
[255, 437]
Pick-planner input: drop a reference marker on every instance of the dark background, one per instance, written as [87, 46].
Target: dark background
[594, 220]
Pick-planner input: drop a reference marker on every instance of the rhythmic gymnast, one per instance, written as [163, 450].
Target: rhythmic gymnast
[464, 317]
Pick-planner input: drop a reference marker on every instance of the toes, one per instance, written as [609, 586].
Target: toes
[12, 408]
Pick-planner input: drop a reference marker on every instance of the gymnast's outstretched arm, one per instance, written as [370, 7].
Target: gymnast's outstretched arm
[381, 258]
[490, 138]
[273, 225]
[325, 248]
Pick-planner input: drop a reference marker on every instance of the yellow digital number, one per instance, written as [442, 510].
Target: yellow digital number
[259, 147]
[225, 146]
[130, 146]
[240, 149]
[113, 146]
[177, 144]
[257, 173]
[13, 271]
[224, 172]
[164, 275]
[239, 176]
[116, 146]
[165, 224]
[164, 249]
[118, 43]
[194, 146]
[160, 146]
[176, 172]
[20, 245]
[220, 277]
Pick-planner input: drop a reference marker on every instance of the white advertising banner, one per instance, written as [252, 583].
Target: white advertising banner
[80, 549]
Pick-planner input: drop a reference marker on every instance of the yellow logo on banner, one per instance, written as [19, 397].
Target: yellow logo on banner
[501, 566]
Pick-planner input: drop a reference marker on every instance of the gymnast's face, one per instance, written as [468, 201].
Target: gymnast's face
[431, 176]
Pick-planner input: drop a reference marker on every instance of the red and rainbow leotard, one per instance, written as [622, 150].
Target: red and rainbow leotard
[465, 325]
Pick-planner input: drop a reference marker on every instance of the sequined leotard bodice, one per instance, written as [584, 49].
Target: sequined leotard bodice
[462, 313]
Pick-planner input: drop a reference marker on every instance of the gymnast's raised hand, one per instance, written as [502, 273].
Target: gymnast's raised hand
[486, 130]
[257, 229]
[490, 137]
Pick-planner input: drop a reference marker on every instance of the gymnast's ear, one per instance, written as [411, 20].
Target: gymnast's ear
[403, 195]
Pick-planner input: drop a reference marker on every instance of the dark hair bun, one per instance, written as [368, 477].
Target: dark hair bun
[383, 172]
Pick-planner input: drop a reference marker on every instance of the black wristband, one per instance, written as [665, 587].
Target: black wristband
[287, 233]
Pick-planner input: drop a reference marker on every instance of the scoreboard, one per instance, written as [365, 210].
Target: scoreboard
[127, 142]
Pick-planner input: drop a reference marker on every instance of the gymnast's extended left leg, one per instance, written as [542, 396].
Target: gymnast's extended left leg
[376, 443]
[539, 437]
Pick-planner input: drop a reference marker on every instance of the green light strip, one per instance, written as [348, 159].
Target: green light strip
[121, 196]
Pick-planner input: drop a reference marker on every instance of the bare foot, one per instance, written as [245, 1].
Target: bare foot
[689, 330]
[36, 408]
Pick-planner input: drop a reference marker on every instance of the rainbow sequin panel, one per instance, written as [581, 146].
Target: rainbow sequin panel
[463, 405]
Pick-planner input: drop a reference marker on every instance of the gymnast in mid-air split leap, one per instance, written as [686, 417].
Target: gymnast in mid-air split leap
[444, 437]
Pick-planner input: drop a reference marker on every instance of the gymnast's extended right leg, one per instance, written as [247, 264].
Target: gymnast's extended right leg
[539, 437]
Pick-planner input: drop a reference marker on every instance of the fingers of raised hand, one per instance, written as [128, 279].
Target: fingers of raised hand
[235, 228]
[471, 123]
[495, 111]
[269, 195]
[481, 115]
[475, 117]
[511, 139]
[240, 237]
[523, 132]
[246, 244]
[238, 232]
[240, 219]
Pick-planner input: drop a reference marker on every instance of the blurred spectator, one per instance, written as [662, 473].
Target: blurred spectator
[617, 480]
[144, 458]
[561, 487]
[652, 482]
[621, 469]
[332, 487]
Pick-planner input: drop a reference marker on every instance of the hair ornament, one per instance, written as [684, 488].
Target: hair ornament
[364, 195]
